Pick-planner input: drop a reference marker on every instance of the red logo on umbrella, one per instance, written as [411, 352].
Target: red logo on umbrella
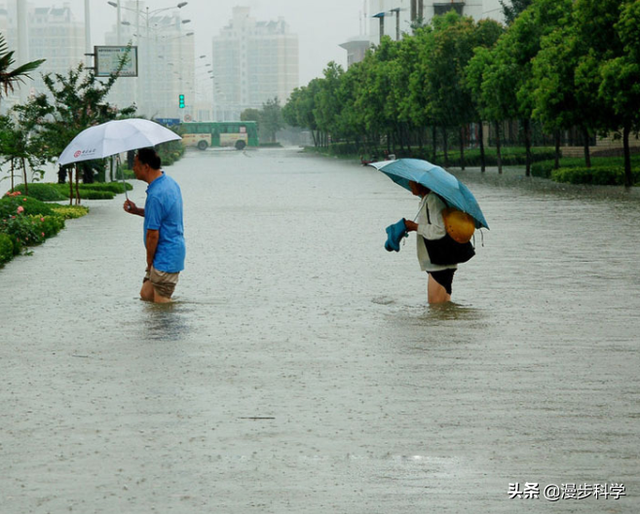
[77, 154]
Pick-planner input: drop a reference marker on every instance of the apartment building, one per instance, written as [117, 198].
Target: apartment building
[253, 61]
[53, 33]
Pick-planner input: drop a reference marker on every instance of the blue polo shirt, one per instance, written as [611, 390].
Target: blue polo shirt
[163, 212]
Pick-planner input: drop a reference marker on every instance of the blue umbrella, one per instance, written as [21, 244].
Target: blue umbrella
[444, 184]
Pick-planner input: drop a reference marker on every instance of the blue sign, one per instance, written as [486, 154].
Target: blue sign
[168, 122]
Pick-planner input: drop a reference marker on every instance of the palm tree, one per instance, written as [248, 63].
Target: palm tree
[9, 78]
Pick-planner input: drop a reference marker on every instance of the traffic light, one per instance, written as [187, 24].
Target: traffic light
[181, 101]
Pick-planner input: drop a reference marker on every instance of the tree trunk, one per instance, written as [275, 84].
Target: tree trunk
[12, 170]
[445, 143]
[462, 134]
[498, 149]
[628, 178]
[483, 163]
[556, 164]
[77, 185]
[527, 145]
[587, 154]
[71, 186]
[24, 176]
[434, 136]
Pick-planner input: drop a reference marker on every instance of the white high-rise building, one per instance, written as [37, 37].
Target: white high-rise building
[253, 62]
[53, 33]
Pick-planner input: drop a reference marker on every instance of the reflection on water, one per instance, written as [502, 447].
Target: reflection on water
[452, 311]
[167, 321]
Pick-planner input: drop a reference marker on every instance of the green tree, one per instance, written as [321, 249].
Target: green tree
[594, 26]
[9, 78]
[250, 115]
[452, 105]
[488, 32]
[419, 100]
[620, 86]
[78, 101]
[512, 8]
[299, 110]
[510, 81]
[350, 120]
[379, 92]
[271, 120]
[327, 101]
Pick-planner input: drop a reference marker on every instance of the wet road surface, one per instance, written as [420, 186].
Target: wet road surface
[299, 369]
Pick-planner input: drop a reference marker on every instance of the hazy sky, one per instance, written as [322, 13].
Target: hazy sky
[321, 25]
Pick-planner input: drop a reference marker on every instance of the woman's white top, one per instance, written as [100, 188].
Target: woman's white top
[433, 230]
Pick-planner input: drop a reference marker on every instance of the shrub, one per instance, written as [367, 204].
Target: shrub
[95, 191]
[23, 230]
[598, 176]
[50, 225]
[27, 230]
[42, 192]
[70, 211]
[92, 194]
[9, 206]
[88, 192]
[542, 169]
[6, 248]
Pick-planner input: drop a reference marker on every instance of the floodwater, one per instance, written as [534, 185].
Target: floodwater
[301, 371]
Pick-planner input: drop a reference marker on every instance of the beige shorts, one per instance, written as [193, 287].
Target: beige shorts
[163, 283]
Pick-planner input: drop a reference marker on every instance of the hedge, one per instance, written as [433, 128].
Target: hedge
[545, 169]
[42, 191]
[96, 191]
[597, 176]
[6, 248]
[70, 211]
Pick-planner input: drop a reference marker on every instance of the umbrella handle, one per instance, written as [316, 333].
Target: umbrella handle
[124, 184]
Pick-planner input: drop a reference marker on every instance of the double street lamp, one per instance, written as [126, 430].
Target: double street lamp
[146, 13]
[149, 89]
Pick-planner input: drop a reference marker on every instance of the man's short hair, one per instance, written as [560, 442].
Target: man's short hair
[150, 157]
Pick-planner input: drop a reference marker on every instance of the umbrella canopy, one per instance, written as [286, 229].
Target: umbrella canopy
[444, 184]
[114, 137]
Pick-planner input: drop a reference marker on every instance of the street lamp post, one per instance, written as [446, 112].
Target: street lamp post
[397, 11]
[147, 71]
[380, 16]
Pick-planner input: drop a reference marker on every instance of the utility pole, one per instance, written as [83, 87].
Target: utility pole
[87, 32]
[23, 41]
[380, 17]
[119, 23]
[397, 11]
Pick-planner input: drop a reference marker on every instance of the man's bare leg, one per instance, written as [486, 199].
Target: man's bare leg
[147, 293]
[160, 299]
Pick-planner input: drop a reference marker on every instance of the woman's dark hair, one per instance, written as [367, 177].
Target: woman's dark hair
[150, 157]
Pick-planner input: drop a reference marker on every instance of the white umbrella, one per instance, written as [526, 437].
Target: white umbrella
[114, 137]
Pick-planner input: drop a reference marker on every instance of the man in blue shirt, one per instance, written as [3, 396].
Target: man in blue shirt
[163, 227]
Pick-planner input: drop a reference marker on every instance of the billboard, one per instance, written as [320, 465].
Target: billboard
[108, 58]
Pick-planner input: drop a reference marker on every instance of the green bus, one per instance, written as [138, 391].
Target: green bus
[203, 134]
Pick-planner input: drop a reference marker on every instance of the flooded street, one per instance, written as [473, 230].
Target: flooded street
[300, 369]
